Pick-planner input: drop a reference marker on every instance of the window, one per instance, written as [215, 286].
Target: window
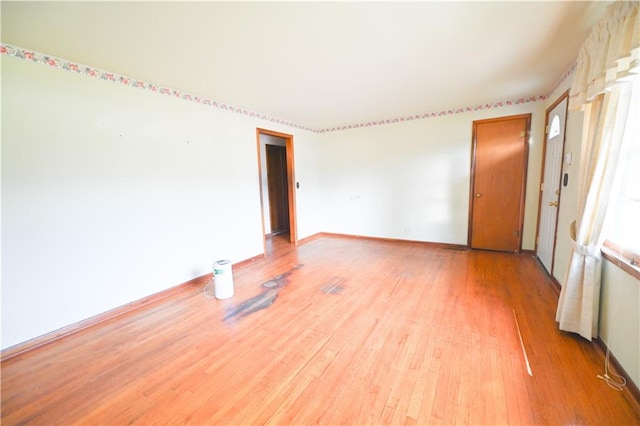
[554, 130]
[623, 216]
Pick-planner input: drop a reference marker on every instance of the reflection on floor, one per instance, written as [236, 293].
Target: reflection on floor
[276, 243]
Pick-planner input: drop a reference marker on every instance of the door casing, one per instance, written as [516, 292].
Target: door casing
[291, 183]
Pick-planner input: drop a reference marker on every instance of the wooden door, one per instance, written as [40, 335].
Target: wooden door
[277, 187]
[497, 183]
[550, 187]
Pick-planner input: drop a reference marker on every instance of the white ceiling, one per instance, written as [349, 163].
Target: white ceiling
[318, 64]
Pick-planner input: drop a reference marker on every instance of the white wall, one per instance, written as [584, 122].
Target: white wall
[111, 193]
[619, 321]
[410, 180]
[619, 325]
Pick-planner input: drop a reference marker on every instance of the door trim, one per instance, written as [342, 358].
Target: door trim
[291, 183]
[544, 158]
[525, 164]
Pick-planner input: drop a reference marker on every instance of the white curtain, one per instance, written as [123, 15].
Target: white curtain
[601, 88]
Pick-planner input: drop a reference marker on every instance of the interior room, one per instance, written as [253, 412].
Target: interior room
[340, 156]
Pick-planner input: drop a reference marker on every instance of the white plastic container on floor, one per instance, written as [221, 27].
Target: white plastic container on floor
[222, 279]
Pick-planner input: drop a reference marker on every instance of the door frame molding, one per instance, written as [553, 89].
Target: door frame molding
[523, 184]
[561, 98]
[291, 183]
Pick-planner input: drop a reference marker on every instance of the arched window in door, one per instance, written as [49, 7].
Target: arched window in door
[554, 129]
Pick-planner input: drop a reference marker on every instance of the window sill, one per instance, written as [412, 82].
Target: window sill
[620, 261]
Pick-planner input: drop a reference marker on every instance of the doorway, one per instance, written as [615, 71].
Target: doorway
[550, 187]
[277, 185]
[498, 177]
[278, 199]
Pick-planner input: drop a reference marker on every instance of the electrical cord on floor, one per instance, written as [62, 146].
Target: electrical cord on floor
[616, 382]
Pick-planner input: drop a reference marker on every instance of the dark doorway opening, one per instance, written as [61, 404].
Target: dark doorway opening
[277, 188]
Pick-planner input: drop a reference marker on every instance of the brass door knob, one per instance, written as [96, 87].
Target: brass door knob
[478, 195]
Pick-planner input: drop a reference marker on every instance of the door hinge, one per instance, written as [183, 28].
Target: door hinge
[541, 186]
[546, 129]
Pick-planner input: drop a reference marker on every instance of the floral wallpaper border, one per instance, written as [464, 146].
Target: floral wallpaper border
[563, 77]
[41, 58]
[438, 114]
[48, 60]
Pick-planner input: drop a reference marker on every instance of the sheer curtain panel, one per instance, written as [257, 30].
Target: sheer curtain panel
[602, 88]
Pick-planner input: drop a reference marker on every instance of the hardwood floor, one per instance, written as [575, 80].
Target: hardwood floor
[344, 331]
